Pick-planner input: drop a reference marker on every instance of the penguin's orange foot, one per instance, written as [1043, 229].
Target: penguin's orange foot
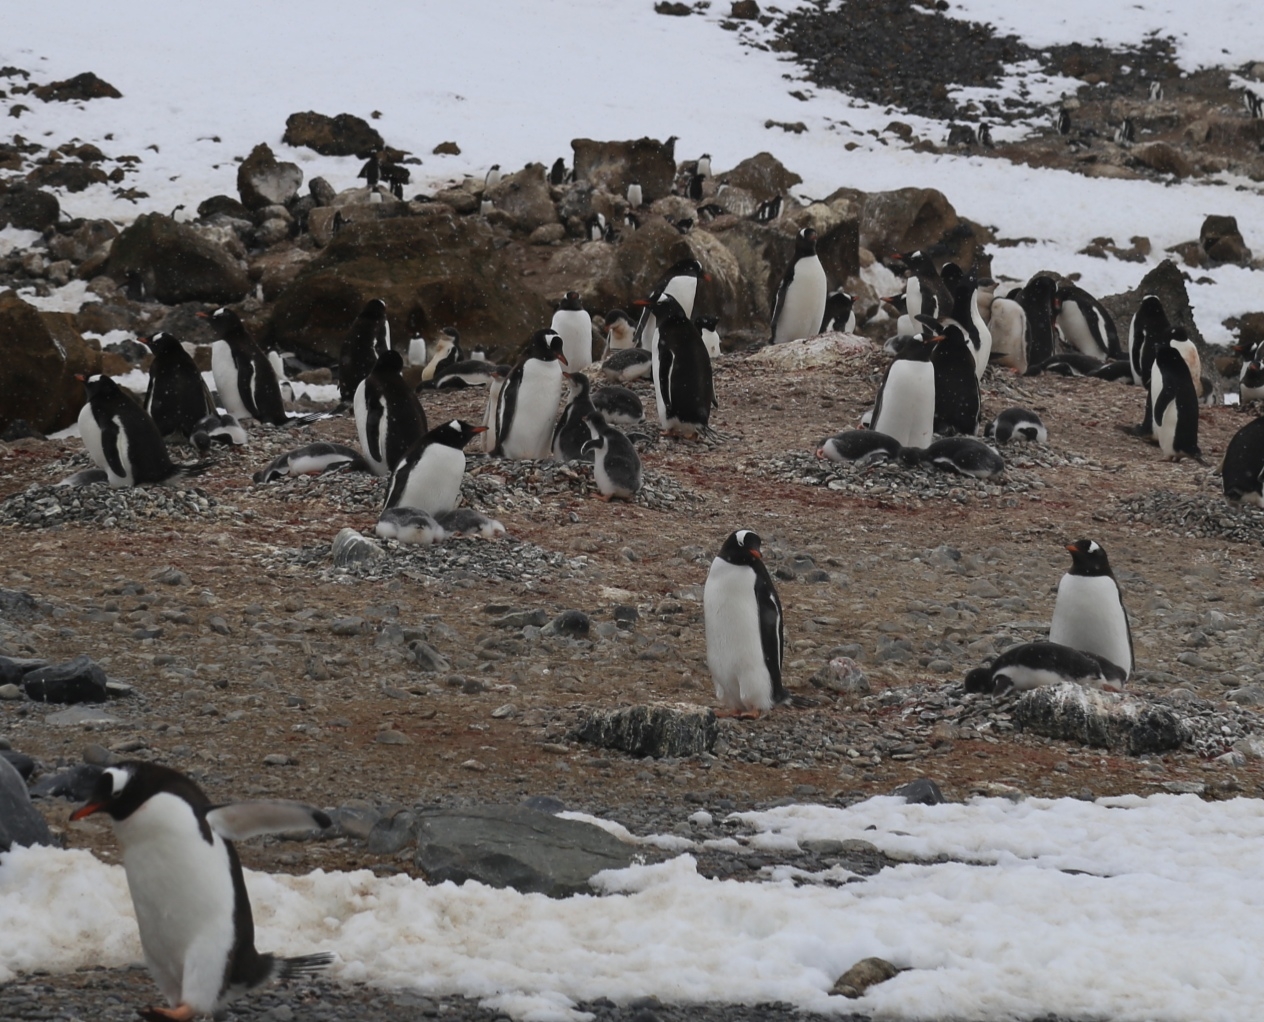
[180, 1013]
[739, 714]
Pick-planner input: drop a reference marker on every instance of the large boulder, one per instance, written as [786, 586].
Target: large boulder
[20, 822]
[263, 181]
[77, 89]
[344, 135]
[1167, 281]
[72, 175]
[40, 353]
[762, 176]
[176, 263]
[903, 220]
[615, 165]
[432, 272]
[89, 238]
[1101, 720]
[524, 196]
[28, 208]
[1223, 242]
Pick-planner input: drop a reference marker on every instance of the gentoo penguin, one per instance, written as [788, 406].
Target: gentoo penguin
[445, 352]
[966, 315]
[1174, 401]
[1036, 298]
[1126, 133]
[1085, 324]
[492, 178]
[961, 454]
[840, 312]
[616, 465]
[985, 135]
[571, 432]
[1156, 92]
[1007, 324]
[1067, 363]
[529, 398]
[859, 447]
[1033, 664]
[768, 210]
[620, 331]
[495, 385]
[217, 428]
[1251, 378]
[187, 887]
[122, 439]
[745, 636]
[558, 173]
[368, 340]
[177, 398]
[703, 169]
[84, 477]
[469, 372]
[683, 385]
[244, 378]
[957, 401]
[1242, 469]
[1180, 340]
[924, 290]
[710, 337]
[1017, 424]
[388, 414]
[905, 407]
[681, 282]
[628, 364]
[800, 303]
[429, 475]
[618, 405]
[463, 521]
[1062, 121]
[417, 351]
[314, 459]
[409, 525]
[574, 325]
[1149, 328]
[634, 196]
[1088, 613]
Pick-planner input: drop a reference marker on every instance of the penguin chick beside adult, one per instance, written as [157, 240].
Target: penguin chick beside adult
[1017, 424]
[573, 324]
[187, 887]
[616, 465]
[1035, 664]
[464, 521]
[859, 447]
[429, 476]
[618, 405]
[528, 399]
[445, 352]
[800, 303]
[710, 337]
[840, 313]
[388, 414]
[177, 398]
[409, 525]
[683, 383]
[571, 433]
[628, 364]
[1085, 324]
[1148, 329]
[1089, 613]
[961, 454]
[620, 331]
[744, 629]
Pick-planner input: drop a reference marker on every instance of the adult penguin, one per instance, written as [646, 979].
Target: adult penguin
[388, 414]
[177, 398]
[957, 402]
[1149, 328]
[429, 476]
[1085, 324]
[905, 407]
[244, 378]
[1174, 400]
[571, 432]
[680, 282]
[1036, 298]
[1089, 613]
[1242, 470]
[123, 440]
[966, 315]
[683, 384]
[1007, 324]
[573, 324]
[745, 634]
[924, 290]
[528, 399]
[800, 303]
[368, 340]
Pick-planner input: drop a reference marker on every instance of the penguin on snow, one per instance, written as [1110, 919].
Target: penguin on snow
[368, 340]
[429, 476]
[388, 414]
[574, 325]
[800, 303]
[744, 629]
[1034, 664]
[683, 383]
[1089, 613]
[616, 465]
[187, 887]
[527, 403]
[1174, 401]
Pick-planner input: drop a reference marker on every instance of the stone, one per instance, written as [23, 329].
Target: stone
[14, 669]
[1162, 157]
[843, 675]
[1223, 242]
[524, 196]
[615, 165]
[391, 832]
[1167, 281]
[89, 239]
[20, 822]
[744, 10]
[513, 846]
[446, 149]
[656, 730]
[77, 715]
[321, 191]
[263, 181]
[80, 680]
[25, 765]
[922, 791]
[343, 135]
[904, 220]
[571, 623]
[349, 547]
[860, 977]
[176, 263]
[763, 176]
[428, 659]
[40, 353]
[81, 87]
[28, 208]
[70, 175]
[354, 819]
[1099, 719]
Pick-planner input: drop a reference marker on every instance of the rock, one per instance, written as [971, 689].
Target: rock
[571, 623]
[354, 819]
[1163, 158]
[80, 680]
[78, 715]
[20, 822]
[25, 765]
[13, 669]
[615, 165]
[658, 730]
[349, 547]
[763, 176]
[176, 263]
[675, 10]
[263, 181]
[744, 10]
[524, 196]
[922, 791]
[75, 784]
[71, 175]
[321, 191]
[81, 87]
[864, 974]
[40, 353]
[1222, 241]
[904, 220]
[513, 846]
[548, 234]
[538, 618]
[447, 149]
[842, 674]
[392, 832]
[1099, 719]
[1167, 281]
[343, 135]
[429, 660]
[28, 208]
[90, 238]
[223, 206]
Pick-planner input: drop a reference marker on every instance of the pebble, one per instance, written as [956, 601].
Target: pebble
[42, 506]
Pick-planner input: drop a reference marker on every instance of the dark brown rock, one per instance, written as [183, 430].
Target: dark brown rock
[447, 149]
[27, 208]
[525, 198]
[744, 10]
[343, 135]
[1162, 157]
[763, 176]
[1167, 281]
[675, 10]
[263, 181]
[81, 87]
[615, 165]
[1223, 242]
[864, 974]
[89, 238]
[904, 220]
[70, 175]
[1249, 328]
[223, 205]
[176, 263]
[40, 353]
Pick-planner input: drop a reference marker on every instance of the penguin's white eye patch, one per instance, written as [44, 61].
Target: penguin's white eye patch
[118, 779]
[1093, 547]
[455, 424]
[741, 536]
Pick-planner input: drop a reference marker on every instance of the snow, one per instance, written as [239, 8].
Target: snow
[1126, 908]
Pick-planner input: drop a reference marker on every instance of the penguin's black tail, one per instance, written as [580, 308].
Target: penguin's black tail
[304, 420]
[303, 965]
[196, 469]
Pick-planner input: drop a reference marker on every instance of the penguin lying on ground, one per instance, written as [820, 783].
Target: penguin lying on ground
[961, 454]
[463, 521]
[628, 364]
[1034, 664]
[314, 459]
[619, 405]
[859, 447]
[409, 525]
[1017, 424]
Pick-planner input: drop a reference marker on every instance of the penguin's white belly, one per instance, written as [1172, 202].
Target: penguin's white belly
[908, 404]
[803, 304]
[417, 351]
[685, 290]
[711, 341]
[574, 326]
[1076, 331]
[224, 371]
[735, 653]
[360, 405]
[434, 484]
[983, 353]
[539, 392]
[94, 443]
[1089, 616]
[1024, 678]
[1190, 354]
[1165, 425]
[656, 371]
[491, 417]
[1008, 328]
[182, 891]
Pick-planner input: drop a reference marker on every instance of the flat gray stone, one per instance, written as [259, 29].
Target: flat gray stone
[657, 730]
[81, 715]
[1099, 719]
[20, 822]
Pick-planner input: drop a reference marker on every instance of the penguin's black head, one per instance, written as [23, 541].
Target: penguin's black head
[805, 242]
[98, 386]
[546, 345]
[391, 362]
[706, 322]
[579, 383]
[374, 308]
[598, 427]
[687, 268]
[456, 433]
[666, 309]
[979, 680]
[452, 332]
[125, 787]
[1087, 558]
[572, 303]
[1151, 315]
[614, 316]
[162, 342]
[742, 547]
[952, 275]
[225, 321]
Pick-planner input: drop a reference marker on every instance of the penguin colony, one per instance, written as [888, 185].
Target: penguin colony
[952, 328]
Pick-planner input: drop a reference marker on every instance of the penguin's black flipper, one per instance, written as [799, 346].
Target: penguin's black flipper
[1114, 371]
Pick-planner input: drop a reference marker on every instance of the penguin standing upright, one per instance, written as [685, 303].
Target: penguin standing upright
[1242, 470]
[571, 432]
[1007, 324]
[1174, 401]
[1085, 324]
[745, 634]
[388, 414]
[244, 378]
[368, 340]
[1036, 298]
[1251, 377]
[1088, 613]
[616, 465]
[683, 384]
[800, 303]
[681, 282]
[840, 312]
[957, 402]
[1148, 329]
[177, 398]
[187, 887]
[429, 476]
[574, 325]
[528, 400]
[965, 313]
[924, 290]
[905, 408]
[123, 440]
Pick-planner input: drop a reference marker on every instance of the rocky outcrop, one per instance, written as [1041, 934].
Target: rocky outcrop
[903, 220]
[79, 88]
[28, 208]
[20, 822]
[525, 198]
[1223, 242]
[40, 353]
[762, 176]
[176, 263]
[615, 165]
[71, 175]
[1167, 281]
[655, 731]
[1099, 719]
[263, 181]
[344, 135]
